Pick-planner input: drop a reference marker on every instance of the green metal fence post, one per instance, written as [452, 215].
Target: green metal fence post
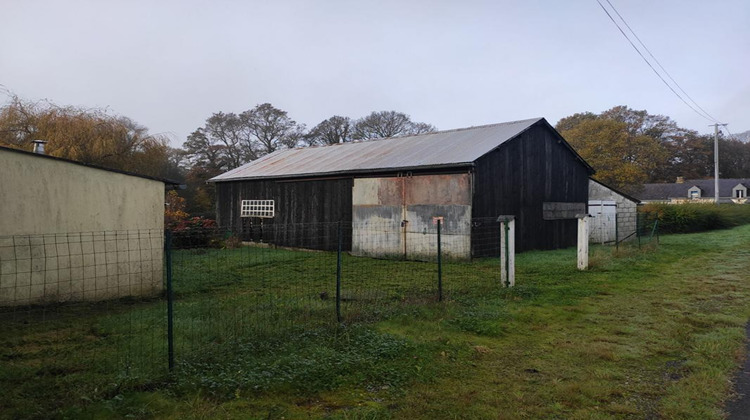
[638, 223]
[170, 300]
[617, 234]
[439, 261]
[338, 275]
[654, 231]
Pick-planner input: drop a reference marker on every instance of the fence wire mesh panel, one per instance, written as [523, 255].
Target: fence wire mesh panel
[270, 278]
[232, 292]
[92, 310]
[647, 228]
[81, 310]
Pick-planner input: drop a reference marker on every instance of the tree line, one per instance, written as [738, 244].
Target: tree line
[630, 147]
[626, 147]
[225, 140]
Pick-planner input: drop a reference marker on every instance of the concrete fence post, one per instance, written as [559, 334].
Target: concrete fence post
[583, 241]
[507, 250]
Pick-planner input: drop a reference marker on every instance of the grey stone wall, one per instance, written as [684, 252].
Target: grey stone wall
[626, 209]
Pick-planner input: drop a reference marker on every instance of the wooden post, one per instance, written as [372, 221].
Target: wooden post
[583, 241]
[507, 250]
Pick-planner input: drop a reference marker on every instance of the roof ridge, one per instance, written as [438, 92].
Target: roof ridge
[687, 181]
[450, 130]
[438, 148]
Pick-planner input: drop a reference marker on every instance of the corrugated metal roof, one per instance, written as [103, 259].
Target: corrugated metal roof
[439, 149]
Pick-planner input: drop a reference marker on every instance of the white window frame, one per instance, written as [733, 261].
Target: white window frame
[739, 193]
[694, 193]
[264, 209]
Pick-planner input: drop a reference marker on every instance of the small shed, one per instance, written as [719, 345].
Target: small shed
[615, 214]
[71, 231]
[465, 176]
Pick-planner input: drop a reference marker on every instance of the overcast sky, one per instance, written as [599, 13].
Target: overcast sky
[170, 64]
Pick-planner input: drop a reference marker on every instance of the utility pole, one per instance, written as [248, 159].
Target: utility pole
[716, 161]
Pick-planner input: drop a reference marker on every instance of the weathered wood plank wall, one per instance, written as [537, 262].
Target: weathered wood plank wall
[520, 176]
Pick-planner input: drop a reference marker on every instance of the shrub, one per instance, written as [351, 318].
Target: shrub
[695, 217]
[196, 232]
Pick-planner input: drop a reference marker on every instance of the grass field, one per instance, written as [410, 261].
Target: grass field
[651, 333]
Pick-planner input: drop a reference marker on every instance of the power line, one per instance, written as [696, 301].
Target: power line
[707, 116]
[729, 133]
[658, 63]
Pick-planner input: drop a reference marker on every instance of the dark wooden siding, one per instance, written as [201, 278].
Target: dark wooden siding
[306, 211]
[523, 173]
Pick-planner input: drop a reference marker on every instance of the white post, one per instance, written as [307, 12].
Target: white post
[583, 241]
[507, 250]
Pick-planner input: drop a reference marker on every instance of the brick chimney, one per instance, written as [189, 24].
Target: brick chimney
[680, 180]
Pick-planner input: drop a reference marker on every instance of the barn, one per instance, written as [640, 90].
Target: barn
[399, 187]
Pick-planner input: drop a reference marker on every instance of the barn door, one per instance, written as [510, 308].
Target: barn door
[395, 216]
[604, 222]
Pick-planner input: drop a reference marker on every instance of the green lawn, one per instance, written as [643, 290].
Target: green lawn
[651, 333]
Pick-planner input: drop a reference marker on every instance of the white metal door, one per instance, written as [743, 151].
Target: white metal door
[604, 222]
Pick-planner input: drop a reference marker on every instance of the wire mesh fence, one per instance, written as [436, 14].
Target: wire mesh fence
[104, 308]
[288, 277]
[80, 305]
[647, 228]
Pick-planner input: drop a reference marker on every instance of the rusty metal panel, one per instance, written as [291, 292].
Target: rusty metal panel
[381, 205]
[377, 232]
[439, 189]
[378, 192]
[448, 148]
[421, 231]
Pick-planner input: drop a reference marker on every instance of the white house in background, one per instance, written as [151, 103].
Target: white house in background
[614, 213]
[70, 231]
[731, 190]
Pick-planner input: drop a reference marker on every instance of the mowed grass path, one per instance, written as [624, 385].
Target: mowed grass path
[651, 333]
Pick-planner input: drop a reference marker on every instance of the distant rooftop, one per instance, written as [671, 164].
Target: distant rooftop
[666, 191]
[431, 150]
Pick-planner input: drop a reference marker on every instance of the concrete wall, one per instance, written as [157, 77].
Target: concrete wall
[626, 208]
[70, 232]
[381, 204]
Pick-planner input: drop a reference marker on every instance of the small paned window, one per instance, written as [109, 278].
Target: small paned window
[739, 193]
[257, 208]
[695, 194]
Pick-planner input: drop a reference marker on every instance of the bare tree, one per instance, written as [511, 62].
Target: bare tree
[336, 129]
[271, 128]
[385, 124]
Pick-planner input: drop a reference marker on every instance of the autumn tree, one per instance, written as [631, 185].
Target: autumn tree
[174, 208]
[640, 123]
[86, 135]
[621, 159]
[385, 124]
